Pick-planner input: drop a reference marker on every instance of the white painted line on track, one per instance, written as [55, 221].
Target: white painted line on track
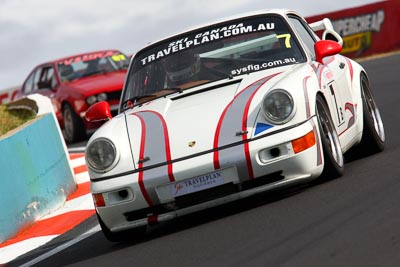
[78, 161]
[82, 203]
[13, 251]
[82, 177]
[66, 245]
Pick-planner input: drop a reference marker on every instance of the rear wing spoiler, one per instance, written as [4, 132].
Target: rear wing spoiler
[329, 32]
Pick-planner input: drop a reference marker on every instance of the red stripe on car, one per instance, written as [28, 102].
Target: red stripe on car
[350, 69]
[141, 156]
[217, 140]
[306, 98]
[167, 145]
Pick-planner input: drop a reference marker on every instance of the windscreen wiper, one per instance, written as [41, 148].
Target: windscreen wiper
[129, 103]
[164, 92]
[173, 89]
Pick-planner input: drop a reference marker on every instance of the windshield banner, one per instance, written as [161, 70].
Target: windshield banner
[200, 38]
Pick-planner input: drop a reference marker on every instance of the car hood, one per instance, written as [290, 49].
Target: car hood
[107, 82]
[200, 119]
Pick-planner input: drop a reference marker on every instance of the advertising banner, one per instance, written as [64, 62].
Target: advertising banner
[368, 29]
[8, 95]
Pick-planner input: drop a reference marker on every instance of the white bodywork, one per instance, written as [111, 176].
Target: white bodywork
[220, 136]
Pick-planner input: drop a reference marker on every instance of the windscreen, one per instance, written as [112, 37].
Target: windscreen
[85, 65]
[210, 54]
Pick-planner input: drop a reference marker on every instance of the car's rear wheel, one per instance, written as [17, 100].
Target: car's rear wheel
[373, 137]
[123, 236]
[74, 129]
[333, 155]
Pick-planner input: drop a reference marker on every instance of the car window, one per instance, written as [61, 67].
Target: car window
[36, 79]
[52, 78]
[304, 33]
[90, 64]
[212, 53]
[46, 78]
[28, 86]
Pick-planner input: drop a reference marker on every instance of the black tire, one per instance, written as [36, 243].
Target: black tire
[332, 150]
[123, 236]
[74, 130]
[373, 136]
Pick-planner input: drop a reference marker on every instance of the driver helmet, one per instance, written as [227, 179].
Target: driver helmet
[182, 66]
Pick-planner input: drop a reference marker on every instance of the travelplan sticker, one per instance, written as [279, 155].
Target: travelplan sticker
[197, 184]
[205, 37]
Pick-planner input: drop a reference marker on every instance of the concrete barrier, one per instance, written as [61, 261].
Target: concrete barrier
[36, 176]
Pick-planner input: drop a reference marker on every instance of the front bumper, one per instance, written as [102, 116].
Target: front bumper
[273, 161]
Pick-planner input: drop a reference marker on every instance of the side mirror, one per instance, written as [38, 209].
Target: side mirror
[99, 111]
[326, 48]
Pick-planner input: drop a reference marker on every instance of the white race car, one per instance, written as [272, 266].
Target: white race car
[225, 111]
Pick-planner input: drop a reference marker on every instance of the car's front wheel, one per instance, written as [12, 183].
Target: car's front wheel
[333, 155]
[74, 130]
[123, 236]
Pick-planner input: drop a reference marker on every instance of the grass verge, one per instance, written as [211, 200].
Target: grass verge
[11, 119]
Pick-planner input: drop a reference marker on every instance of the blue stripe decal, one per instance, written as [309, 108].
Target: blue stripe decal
[261, 127]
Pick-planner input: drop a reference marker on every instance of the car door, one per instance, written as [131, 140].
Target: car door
[332, 75]
[45, 83]
[27, 87]
[340, 90]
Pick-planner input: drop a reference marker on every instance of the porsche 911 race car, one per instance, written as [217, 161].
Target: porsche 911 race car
[225, 111]
[76, 82]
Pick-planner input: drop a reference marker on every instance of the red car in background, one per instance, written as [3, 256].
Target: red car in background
[74, 83]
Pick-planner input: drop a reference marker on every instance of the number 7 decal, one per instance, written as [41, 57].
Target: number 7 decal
[287, 39]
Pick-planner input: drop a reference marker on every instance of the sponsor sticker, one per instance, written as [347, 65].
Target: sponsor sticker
[92, 56]
[263, 66]
[197, 184]
[211, 35]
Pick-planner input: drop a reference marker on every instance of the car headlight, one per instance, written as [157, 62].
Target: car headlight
[101, 155]
[102, 97]
[96, 98]
[91, 100]
[278, 106]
